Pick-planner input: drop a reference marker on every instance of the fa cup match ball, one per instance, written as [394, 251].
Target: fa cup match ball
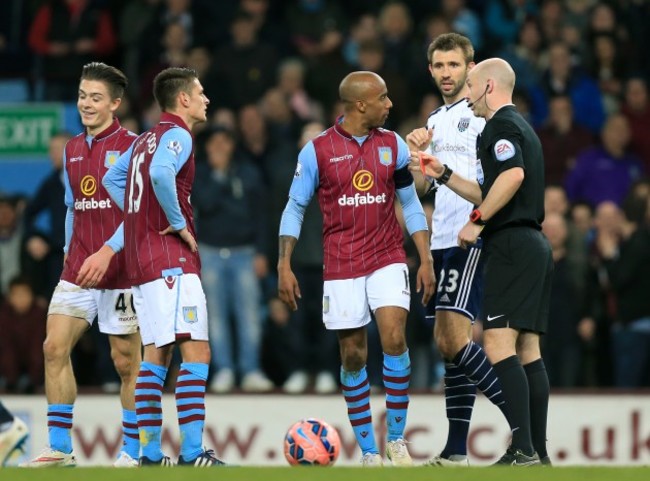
[312, 442]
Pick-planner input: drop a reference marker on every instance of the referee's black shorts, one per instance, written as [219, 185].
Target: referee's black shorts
[517, 280]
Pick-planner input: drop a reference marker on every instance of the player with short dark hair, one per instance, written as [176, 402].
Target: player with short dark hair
[152, 184]
[357, 169]
[93, 282]
[509, 200]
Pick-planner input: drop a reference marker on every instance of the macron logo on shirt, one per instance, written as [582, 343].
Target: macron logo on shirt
[341, 158]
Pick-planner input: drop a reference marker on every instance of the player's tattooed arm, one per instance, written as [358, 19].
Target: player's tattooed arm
[287, 243]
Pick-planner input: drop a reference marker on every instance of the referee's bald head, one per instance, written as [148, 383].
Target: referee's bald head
[497, 70]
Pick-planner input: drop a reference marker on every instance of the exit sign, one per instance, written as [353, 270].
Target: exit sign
[26, 129]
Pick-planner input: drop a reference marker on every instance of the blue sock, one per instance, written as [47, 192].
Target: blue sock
[190, 405]
[356, 390]
[148, 408]
[474, 363]
[59, 425]
[460, 394]
[397, 377]
[130, 437]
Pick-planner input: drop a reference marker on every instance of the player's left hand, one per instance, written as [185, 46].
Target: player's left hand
[288, 288]
[184, 234]
[94, 267]
[468, 235]
[426, 281]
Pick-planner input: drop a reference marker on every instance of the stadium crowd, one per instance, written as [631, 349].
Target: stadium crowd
[271, 69]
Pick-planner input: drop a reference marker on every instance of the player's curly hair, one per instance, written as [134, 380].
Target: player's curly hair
[451, 41]
[169, 82]
[113, 77]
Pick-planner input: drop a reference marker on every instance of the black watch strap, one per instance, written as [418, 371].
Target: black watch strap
[444, 178]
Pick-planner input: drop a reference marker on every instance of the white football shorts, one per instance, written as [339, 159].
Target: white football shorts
[171, 308]
[113, 308]
[347, 303]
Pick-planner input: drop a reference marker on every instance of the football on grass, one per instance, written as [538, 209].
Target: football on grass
[312, 442]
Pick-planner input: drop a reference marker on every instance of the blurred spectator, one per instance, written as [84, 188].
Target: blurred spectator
[201, 24]
[199, 59]
[562, 140]
[312, 348]
[577, 13]
[568, 327]
[316, 27]
[602, 20]
[525, 55]
[282, 121]
[136, 18]
[463, 20]
[175, 47]
[225, 118]
[574, 243]
[504, 18]
[291, 82]
[278, 345]
[22, 323]
[67, 34]
[45, 246]
[365, 29]
[582, 217]
[636, 108]
[11, 239]
[551, 18]
[396, 34]
[243, 69]
[271, 28]
[561, 78]
[602, 300]
[371, 58]
[609, 68]
[229, 192]
[257, 144]
[605, 172]
[626, 255]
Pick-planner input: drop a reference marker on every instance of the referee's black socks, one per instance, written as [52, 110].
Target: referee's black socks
[538, 389]
[514, 384]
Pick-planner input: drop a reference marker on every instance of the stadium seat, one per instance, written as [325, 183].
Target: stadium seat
[14, 90]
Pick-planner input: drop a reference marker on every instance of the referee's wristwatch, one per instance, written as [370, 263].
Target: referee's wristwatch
[475, 217]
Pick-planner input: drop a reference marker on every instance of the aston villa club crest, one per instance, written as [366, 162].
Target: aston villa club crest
[463, 124]
[326, 304]
[190, 314]
[111, 158]
[385, 155]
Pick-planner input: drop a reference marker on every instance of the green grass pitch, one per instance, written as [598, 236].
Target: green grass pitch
[328, 474]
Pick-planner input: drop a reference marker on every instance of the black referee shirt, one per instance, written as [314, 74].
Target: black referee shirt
[509, 141]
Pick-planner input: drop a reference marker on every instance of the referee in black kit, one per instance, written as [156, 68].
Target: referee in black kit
[509, 199]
